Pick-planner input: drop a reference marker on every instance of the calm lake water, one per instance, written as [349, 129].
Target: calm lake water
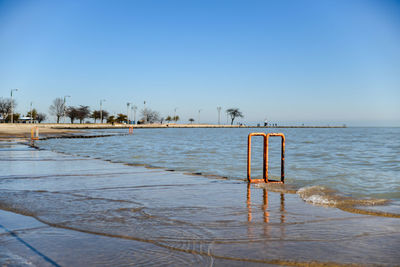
[355, 162]
[335, 179]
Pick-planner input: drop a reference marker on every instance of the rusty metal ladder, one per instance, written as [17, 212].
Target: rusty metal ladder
[35, 133]
[265, 158]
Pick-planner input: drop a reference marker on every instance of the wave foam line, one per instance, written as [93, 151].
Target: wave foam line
[323, 196]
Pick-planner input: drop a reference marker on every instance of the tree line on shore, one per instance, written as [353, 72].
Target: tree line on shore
[80, 113]
[7, 107]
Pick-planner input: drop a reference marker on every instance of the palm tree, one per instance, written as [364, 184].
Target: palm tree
[40, 117]
[234, 113]
[191, 120]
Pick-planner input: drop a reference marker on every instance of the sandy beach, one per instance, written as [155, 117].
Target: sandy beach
[18, 131]
[23, 131]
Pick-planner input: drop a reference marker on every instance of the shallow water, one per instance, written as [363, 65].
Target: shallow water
[356, 163]
[122, 215]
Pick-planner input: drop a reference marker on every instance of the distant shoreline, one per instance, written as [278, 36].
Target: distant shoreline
[22, 130]
[173, 125]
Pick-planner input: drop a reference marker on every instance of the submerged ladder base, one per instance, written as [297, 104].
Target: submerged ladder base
[258, 181]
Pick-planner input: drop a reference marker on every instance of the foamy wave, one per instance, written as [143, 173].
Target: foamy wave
[320, 195]
[316, 199]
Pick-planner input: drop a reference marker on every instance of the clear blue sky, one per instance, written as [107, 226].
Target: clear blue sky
[291, 62]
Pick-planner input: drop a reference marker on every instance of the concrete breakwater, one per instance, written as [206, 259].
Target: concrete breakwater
[173, 125]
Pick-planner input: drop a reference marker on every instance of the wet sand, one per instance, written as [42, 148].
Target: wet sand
[71, 211]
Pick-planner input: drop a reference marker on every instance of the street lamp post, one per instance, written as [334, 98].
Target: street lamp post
[101, 110]
[219, 115]
[65, 106]
[175, 112]
[31, 113]
[199, 116]
[133, 109]
[145, 113]
[12, 105]
[134, 113]
[127, 112]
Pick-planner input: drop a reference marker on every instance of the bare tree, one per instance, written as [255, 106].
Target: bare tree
[83, 113]
[234, 113]
[5, 107]
[40, 117]
[58, 108]
[150, 116]
[72, 113]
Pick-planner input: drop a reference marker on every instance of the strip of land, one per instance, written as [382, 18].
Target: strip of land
[19, 130]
